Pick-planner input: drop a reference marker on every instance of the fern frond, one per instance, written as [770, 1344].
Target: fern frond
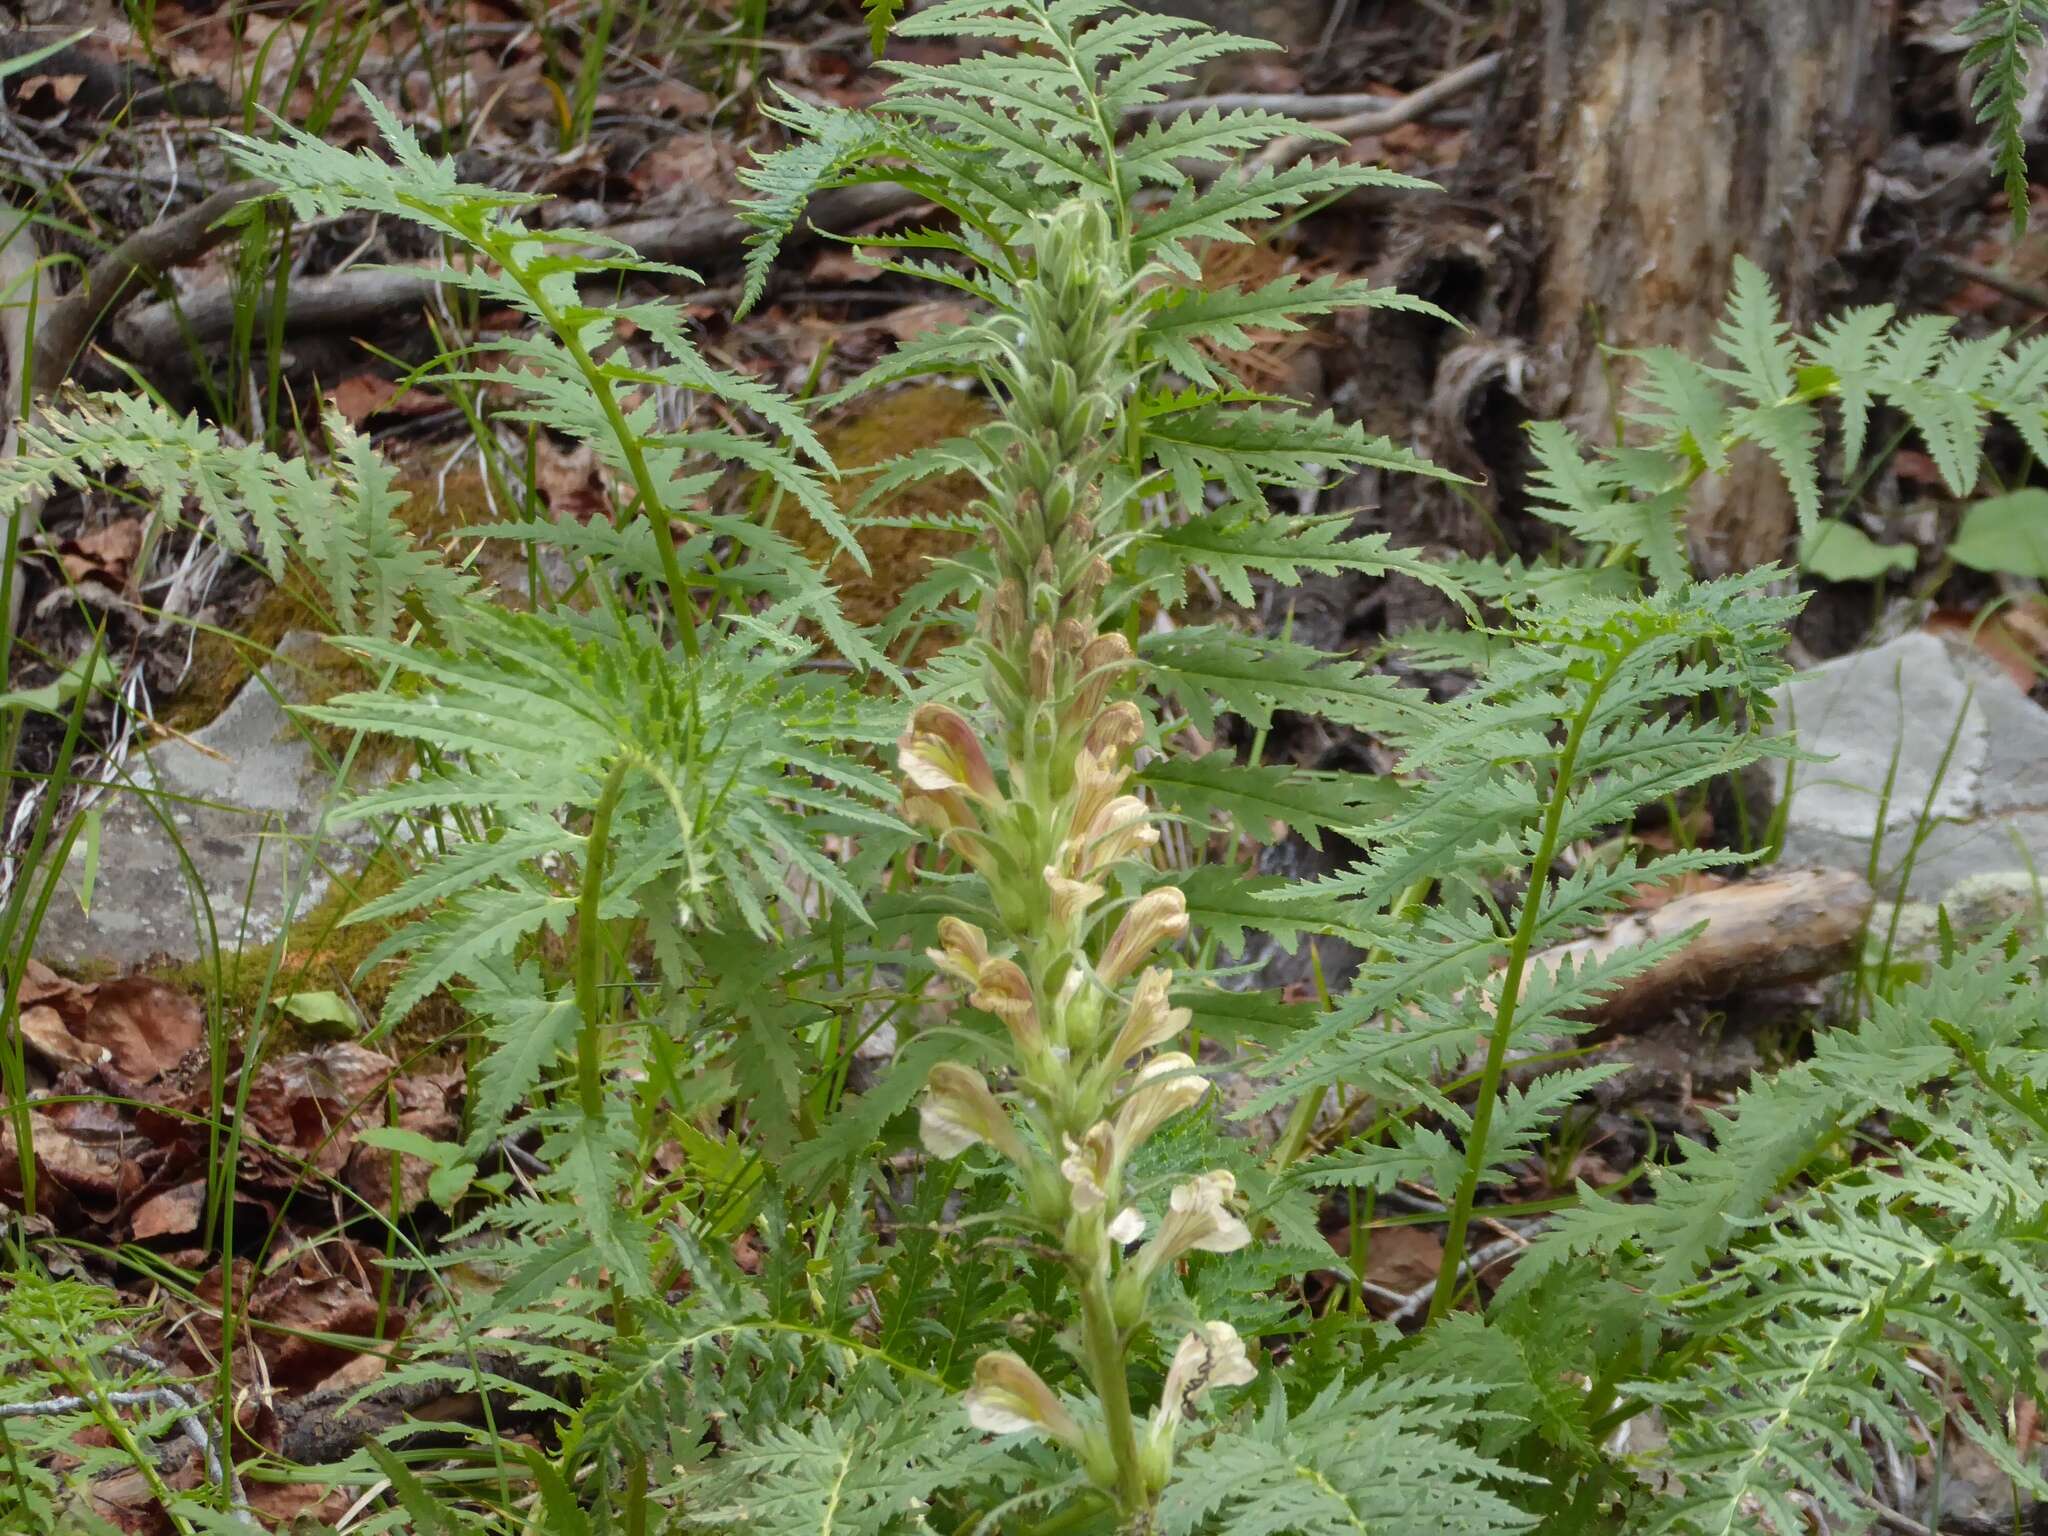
[2004, 33]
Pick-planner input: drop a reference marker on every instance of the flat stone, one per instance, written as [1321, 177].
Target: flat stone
[1955, 741]
[244, 798]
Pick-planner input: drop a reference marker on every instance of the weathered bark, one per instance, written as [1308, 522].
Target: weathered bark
[1665, 137]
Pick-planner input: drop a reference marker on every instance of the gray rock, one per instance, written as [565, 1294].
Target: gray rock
[241, 799]
[1960, 745]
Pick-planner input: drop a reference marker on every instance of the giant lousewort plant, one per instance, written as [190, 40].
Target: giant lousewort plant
[1034, 798]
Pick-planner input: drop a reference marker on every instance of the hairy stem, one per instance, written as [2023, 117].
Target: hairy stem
[1103, 1353]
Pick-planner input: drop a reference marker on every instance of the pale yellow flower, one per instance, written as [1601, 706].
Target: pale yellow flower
[1005, 991]
[940, 753]
[962, 951]
[1090, 1166]
[1119, 830]
[1157, 917]
[1165, 1085]
[959, 1111]
[1008, 1398]
[1117, 728]
[1071, 899]
[1149, 1020]
[1211, 1357]
[1199, 1220]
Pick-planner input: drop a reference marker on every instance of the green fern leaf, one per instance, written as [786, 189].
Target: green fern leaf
[2003, 33]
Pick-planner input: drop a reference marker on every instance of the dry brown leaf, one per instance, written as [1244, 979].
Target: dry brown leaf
[103, 554]
[571, 481]
[43, 1031]
[915, 320]
[361, 396]
[49, 91]
[1993, 638]
[145, 1026]
[842, 264]
[1403, 1259]
[171, 1213]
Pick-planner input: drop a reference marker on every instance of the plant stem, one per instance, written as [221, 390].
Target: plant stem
[1510, 996]
[590, 948]
[1104, 1355]
[629, 445]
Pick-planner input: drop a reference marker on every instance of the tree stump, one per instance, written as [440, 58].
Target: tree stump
[1665, 137]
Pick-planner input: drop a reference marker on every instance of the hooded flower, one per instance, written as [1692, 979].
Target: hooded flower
[1119, 829]
[962, 951]
[1150, 1021]
[1128, 1227]
[1165, 1086]
[1008, 1398]
[940, 754]
[1199, 1219]
[1211, 1357]
[1097, 781]
[1157, 917]
[1090, 1166]
[959, 1111]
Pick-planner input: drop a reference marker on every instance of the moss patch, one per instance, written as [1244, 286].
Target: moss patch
[870, 434]
[322, 953]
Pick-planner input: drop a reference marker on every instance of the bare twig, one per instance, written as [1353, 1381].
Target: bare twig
[154, 334]
[171, 1396]
[74, 170]
[2033, 295]
[117, 276]
[1353, 115]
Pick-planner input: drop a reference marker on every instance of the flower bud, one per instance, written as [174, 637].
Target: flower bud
[1116, 729]
[1157, 917]
[1008, 1398]
[959, 1111]
[1101, 660]
[1150, 1021]
[1041, 663]
[1164, 1087]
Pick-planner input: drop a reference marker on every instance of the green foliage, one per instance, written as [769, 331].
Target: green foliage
[1690, 417]
[80, 1404]
[1376, 1456]
[2006, 534]
[652, 862]
[341, 522]
[882, 15]
[2001, 33]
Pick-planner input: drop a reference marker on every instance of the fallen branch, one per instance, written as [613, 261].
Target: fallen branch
[117, 277]
[1759, 933]
[155, 334]
[1354, 115]
[172, 1396]
[2033, 295]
